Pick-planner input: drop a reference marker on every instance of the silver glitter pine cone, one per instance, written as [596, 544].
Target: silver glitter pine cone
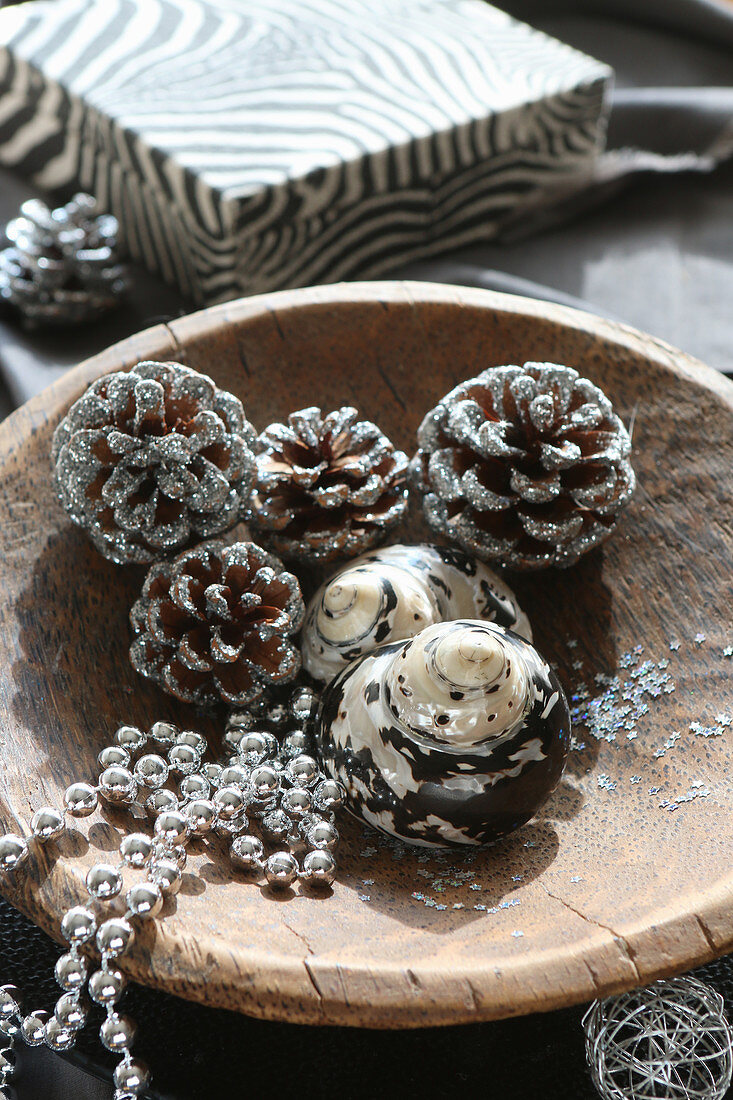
[525, 465]
[216, 624]
[149, 460]
[62, 266]
[327, 486]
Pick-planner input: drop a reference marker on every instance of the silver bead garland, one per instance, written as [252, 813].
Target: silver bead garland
[670, 1041]
[277, 788]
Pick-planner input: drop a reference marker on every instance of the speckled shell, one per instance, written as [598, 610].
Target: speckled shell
[441, 763]
[393, 593]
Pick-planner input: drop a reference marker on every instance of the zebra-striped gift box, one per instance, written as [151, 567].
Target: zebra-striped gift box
[248, 145]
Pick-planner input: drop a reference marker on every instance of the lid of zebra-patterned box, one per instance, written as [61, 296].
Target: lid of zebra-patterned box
[216, 102]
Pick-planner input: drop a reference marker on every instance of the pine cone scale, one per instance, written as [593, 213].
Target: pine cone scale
[390, 509]
[480, 495]
[535, 490]
[596, 444]
[498, 536]
[560, 528]
[194, 657]
[564, 457]
[222, 652]
[167, 621]
[494, 444]
[183, 682]
[187, 595]
[176, 484]
[272, 592]
[275, 657]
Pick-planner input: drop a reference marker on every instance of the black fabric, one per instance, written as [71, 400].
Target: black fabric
[195, 1052]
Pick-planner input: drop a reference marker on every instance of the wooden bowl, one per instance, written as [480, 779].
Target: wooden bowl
[608, 888]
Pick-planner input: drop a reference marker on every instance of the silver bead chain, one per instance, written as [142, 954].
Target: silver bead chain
[275, 785]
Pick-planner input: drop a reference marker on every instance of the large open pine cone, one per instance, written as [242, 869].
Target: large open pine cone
[528, 465]
[327, 486]
[149, 459]
[216, 624]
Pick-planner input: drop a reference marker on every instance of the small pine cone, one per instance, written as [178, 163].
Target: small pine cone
[528, 465]
[216, 624]
[149, 459]
[326, 487]
[62, 266]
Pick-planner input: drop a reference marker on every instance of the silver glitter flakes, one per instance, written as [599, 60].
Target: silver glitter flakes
[620, 704]
[717, 730]
[668, 744]
[697, 789]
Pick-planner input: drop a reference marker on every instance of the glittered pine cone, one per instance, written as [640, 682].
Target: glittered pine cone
[527, 465]
[151, 459]
[62, 266]
[327, 486]
[216, 624]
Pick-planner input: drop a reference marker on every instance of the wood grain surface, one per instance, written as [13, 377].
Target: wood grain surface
[607, 888]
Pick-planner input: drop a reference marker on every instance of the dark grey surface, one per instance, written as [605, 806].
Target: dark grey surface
[41, 1075]
[658, 256]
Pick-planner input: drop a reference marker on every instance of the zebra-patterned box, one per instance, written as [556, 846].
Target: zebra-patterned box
[248, 145]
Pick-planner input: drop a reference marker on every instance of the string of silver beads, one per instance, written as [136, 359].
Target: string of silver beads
[163, 862]
[114, 935]
[288, 795]
[280, 786]
[10, 1017]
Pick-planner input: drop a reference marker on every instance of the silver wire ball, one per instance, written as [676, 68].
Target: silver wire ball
[669, 1041]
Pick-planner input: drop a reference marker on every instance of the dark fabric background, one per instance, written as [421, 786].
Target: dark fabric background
[204, 1054]
[651, 244]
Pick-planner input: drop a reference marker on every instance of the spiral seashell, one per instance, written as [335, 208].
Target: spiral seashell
[453, 737]
[395, 592]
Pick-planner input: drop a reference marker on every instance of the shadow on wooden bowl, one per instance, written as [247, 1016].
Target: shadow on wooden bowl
[609, 887]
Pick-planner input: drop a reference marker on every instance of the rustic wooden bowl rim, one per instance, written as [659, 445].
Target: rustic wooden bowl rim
[697, 927]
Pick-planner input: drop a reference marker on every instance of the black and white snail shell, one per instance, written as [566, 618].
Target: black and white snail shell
[395, 592]
[453, 737]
